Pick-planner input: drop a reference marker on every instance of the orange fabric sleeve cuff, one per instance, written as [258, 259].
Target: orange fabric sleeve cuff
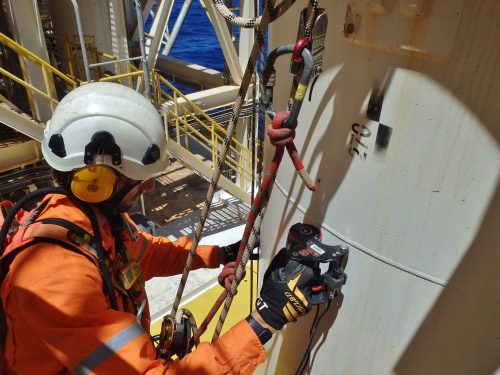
[238, 351]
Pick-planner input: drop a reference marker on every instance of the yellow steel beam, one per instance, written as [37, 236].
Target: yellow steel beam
[17, 154]
[21, 122]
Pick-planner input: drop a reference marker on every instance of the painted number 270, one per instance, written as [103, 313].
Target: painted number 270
[356, 145]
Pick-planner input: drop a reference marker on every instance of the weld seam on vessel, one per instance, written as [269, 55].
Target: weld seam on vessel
[361, 248]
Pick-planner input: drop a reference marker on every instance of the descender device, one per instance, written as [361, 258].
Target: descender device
[304, 246]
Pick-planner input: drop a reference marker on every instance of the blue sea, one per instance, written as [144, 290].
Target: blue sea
[196, 42]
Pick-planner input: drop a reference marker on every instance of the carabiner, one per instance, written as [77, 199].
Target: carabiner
[269, 76]
[289, 119]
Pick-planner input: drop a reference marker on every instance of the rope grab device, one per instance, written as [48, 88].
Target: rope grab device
[175, 337]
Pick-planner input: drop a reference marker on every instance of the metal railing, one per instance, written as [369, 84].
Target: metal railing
[50, 75]
[187, 125]
[102, 67]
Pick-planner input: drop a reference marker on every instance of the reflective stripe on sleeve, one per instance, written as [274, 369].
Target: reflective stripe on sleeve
[107, 349]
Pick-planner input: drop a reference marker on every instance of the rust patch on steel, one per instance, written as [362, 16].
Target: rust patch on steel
[352, 22]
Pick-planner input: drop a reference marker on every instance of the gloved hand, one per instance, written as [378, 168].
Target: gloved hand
[286, 291]
[230, 252]
[227, 275]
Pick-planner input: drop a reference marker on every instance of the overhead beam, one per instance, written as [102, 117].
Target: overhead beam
[208, 99]
[17, 154]
[131, 14]
[225, 41]
[177, 27]
[158, 28]
[21, 122]
[189, 72]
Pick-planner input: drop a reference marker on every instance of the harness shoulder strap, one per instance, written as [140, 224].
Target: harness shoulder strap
[4, 205]
[69, 231]
[66, 242]
[50, 230]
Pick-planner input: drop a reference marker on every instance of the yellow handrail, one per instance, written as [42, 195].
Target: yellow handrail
[23, 52]
[190, 122]
[47, 70]
[69, 46]
[27, 85]
[242, 156]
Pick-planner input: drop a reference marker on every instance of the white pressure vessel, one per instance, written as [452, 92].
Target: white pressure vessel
[403, 133]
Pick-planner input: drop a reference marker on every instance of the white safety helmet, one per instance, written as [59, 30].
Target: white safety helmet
[110, 124]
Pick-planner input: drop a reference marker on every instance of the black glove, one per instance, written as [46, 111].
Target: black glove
[230, 252]
[286, 291]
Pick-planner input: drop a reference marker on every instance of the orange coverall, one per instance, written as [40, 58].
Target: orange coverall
[60, 321]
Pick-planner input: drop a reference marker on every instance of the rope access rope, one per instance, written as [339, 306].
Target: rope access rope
[251, 23]
[267, 16]
[281, 138]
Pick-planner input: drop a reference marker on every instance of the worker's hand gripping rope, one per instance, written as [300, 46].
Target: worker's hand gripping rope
[227, 276]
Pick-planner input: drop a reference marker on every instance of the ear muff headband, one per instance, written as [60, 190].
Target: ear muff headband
[94, 183]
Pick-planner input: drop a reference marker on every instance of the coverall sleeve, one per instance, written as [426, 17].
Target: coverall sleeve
[59, 296]
[158, 256]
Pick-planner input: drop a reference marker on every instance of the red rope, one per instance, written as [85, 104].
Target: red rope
[281, 138]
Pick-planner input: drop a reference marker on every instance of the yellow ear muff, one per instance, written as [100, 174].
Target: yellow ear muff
[94, 183]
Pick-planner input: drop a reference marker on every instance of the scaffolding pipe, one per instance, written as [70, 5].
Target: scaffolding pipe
[142, 43]
[177, 26]
[115, 61]
[82, 41]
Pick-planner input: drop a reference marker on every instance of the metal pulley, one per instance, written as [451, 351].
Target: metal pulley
[175, 337]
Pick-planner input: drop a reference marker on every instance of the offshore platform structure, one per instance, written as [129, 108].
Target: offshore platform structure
[399, 133]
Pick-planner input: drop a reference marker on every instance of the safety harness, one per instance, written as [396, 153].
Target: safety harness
[29, 230]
